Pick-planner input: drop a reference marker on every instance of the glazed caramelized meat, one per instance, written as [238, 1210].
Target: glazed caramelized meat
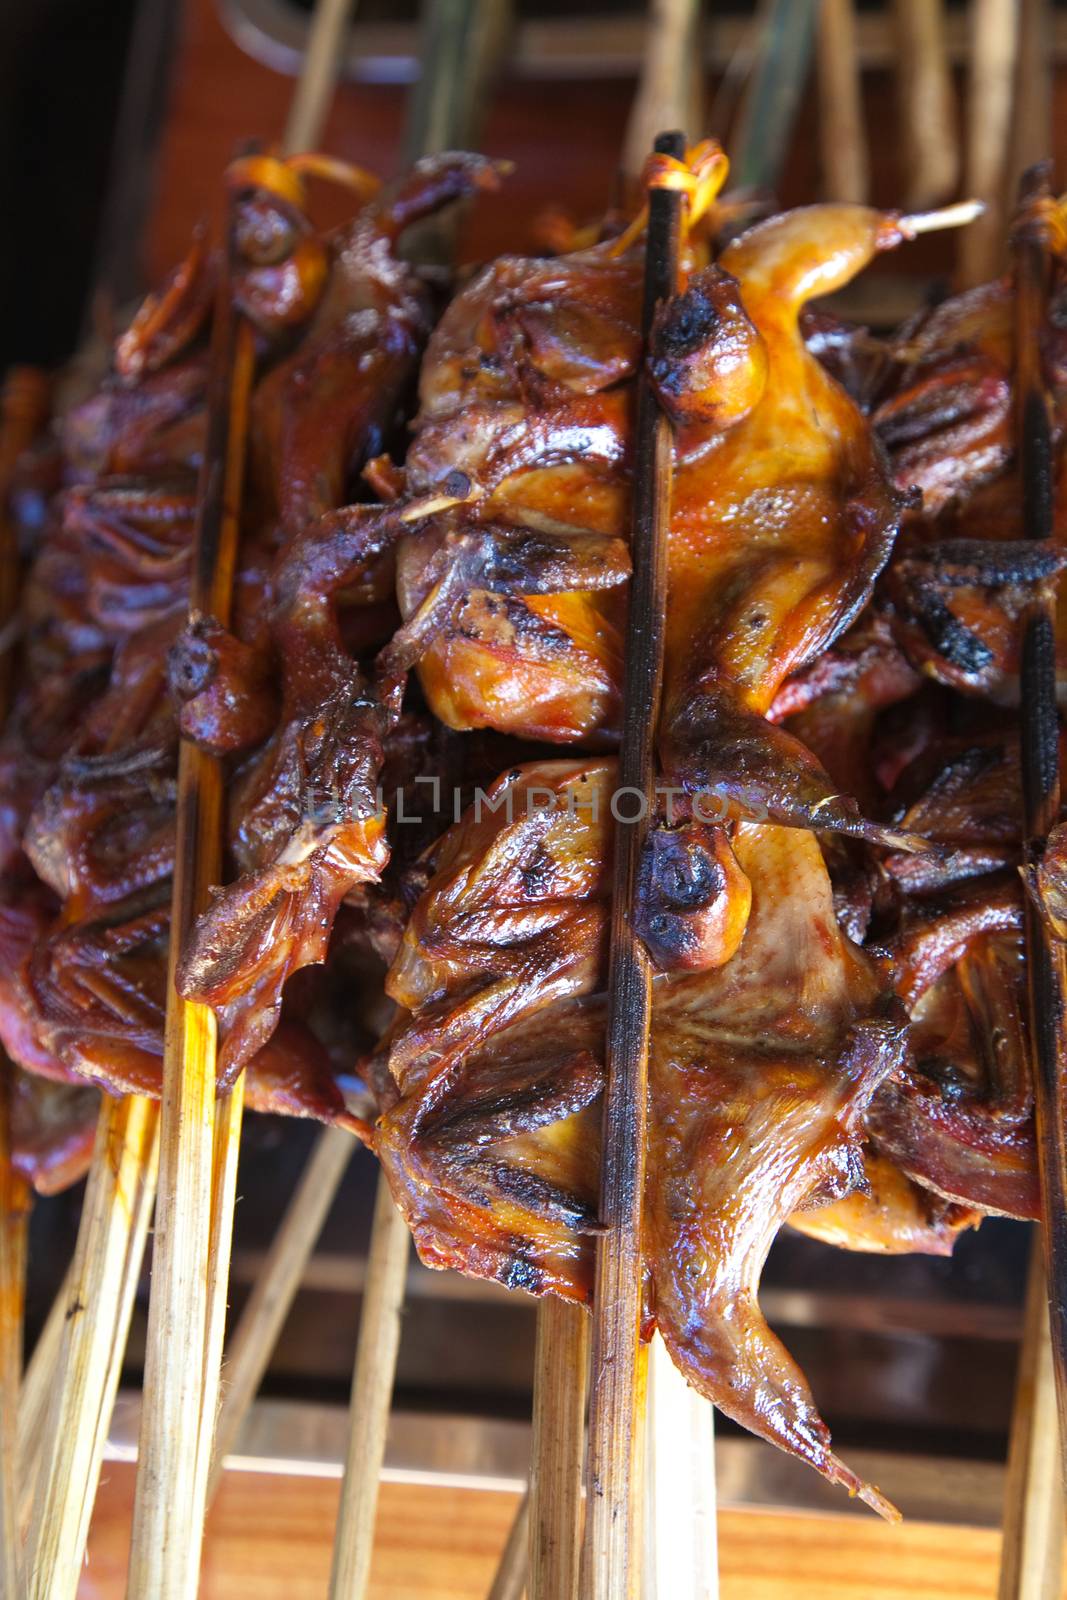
[782, 511]
[311, 828]
[963, 571]
[432, 589]
[764, 1063]
[112, 672]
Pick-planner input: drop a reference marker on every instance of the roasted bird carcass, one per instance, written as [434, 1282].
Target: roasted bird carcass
[93, 746]
[826, 990]
[309, 825]
[782, 511]
[764, 1065]
[963, 571]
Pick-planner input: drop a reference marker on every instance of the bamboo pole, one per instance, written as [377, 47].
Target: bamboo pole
[760, 141]
[1031, 1557]
[1031, 134]
[372, 1388]
[272, 1295]
[226, 1148]
[561, 1376]
[670, 93]
[681, 1548]
[102, 1284]
[994, 42]
[183, 1342]
[35, 1394]
[510, 1580]
[611, 1548]
[842, 135]
[319, 72]
[927, 98]
[460, 45]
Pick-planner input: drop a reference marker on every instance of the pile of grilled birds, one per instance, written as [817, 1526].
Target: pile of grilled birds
[418, 709]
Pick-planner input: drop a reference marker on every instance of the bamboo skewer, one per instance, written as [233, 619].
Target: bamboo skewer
[561, 1367]
[1031, 134]
[193, 1210]
[1031, 1560]
[103, 1277]
[671, 91]
[842, 135]
[610, 1551]
[510, 1580]
[319, 72]
[994, 29]
[261, 1321]
[226, 1149]
[761, 139]
[927, 103]
[35, 1394]
[681, 1550]
[372, 1386]
[1034, 1508]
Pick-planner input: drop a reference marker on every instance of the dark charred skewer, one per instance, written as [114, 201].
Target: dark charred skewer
[609, 1555]
[1041, 762]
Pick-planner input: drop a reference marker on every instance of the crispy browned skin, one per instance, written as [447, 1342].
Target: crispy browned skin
[782, 510]
[959, 1116]
[311, 828]
[964, 571]
[91, 748]
[763, 1063]
[893, 1215]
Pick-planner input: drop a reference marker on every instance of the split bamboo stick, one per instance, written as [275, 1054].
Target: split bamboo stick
[1040, 759]
[226, 1149]
[35, 1394]
[372, 1388]
[760, 141]
[272, 1295]
[510, 1580]
[1031, 134]
[193, 1208]
[23, 409]
[611, 1550]
[681, 1548]
[561, 1377]
[842, 135]
[994, 43]
[671, 91]
[319, 72]
[1031, 1558]
[461, 44]
[927, 99]
[1033, 1527]
[101, 1288]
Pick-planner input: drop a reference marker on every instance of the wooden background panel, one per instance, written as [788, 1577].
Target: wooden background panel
[564, 138]
[269, 1539]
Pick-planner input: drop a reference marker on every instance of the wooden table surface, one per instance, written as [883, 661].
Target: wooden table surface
[269, 1539]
